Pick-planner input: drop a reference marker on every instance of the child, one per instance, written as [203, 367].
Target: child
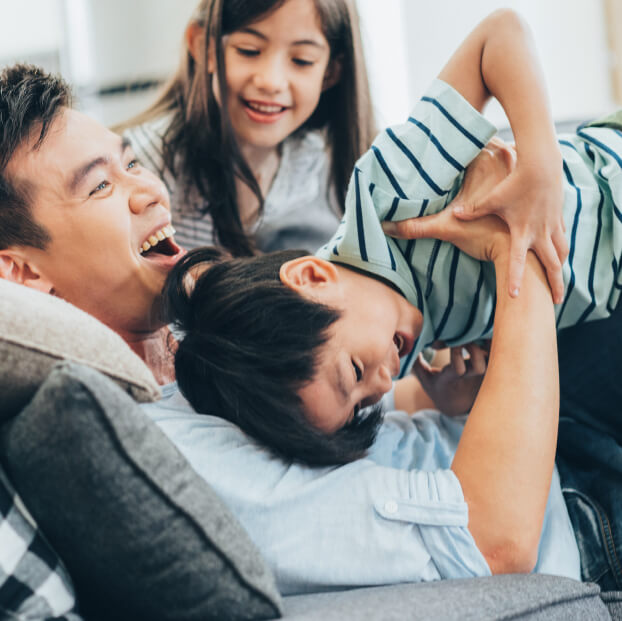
[257, 133]
[322, 335]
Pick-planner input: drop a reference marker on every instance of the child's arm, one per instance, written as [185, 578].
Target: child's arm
[498, 59]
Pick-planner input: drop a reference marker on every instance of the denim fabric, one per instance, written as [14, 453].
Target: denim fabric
[590, 444]
[590, 468]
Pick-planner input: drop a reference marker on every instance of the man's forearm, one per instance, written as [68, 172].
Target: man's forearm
[505, 458]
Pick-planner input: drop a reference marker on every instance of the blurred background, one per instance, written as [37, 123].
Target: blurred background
[117, 52]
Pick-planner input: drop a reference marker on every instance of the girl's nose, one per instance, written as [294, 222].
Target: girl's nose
[270, 77]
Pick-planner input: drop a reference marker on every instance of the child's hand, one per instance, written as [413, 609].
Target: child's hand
[454, 387]
[528, 196]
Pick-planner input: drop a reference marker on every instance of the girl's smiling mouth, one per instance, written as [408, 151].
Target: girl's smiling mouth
[263, 111]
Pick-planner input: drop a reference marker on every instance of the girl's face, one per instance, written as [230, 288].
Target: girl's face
[276, 69]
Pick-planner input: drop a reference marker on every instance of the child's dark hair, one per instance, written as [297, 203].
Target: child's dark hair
[249, 344]
[199, 144]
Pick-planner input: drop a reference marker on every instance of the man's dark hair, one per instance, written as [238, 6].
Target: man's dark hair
[30, 100]
[249, 344]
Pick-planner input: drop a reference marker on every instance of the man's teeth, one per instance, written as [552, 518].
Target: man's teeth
[264, 108]
[158, 236]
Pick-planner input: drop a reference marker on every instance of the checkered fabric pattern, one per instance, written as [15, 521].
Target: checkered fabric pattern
[33, 583]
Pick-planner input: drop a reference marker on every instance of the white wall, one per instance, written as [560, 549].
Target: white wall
[408, 41]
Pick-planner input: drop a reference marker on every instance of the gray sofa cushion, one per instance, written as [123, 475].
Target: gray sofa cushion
[142, 535]
[37, 330]
[533, 597]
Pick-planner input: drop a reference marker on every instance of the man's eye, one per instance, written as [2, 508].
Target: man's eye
[301, 62]
[99, 187]
[244, 51]
[357, 371]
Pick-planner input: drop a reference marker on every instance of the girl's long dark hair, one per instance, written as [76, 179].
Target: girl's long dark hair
[200, 148]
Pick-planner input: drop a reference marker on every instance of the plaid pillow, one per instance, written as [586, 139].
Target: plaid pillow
[33, 583]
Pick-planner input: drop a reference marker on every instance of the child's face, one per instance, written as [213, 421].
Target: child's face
[356, 366]
[275, 70]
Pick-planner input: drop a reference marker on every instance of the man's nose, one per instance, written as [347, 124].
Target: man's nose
[146, 192]
[383, 381]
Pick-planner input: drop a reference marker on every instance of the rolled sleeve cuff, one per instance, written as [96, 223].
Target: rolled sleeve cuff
[438, 508]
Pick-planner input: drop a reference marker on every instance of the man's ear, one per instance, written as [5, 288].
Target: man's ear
[332, 75]
[195, 40]
[16, 268]
[310, 276]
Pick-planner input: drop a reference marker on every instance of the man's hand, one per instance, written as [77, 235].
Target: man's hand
[453, 388]
[528, 196]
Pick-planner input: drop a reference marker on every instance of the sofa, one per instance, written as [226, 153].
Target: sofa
[102, 518]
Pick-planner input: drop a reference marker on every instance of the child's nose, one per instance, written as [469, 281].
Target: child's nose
[270, 77]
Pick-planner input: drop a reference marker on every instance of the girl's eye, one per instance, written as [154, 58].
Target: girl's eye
[133, 164]
[99, 187]
[303, 63]
[357, 371]
[244, 51]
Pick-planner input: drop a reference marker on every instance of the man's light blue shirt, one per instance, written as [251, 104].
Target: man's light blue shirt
[397, 516]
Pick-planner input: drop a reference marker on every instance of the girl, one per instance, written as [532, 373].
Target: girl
[257, 133]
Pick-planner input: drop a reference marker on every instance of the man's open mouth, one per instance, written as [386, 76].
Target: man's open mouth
[160, 242]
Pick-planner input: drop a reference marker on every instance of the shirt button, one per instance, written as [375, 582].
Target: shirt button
[390, 506]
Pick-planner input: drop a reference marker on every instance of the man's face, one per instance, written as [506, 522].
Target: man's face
[356, 366]
[99, 206]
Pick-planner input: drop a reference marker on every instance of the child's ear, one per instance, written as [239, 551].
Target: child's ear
[308, 275]
[16, 268]
[332, 75]
[195, 40]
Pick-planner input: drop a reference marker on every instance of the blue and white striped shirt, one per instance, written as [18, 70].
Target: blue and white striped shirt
[416, 169]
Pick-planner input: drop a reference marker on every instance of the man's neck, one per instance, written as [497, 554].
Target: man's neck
[157, 349]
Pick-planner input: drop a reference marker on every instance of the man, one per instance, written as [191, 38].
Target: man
[79, 218]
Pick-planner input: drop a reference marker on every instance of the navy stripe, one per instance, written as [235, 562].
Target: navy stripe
[372, 187]
[602, 146]
[359, 216]
[491, 319]
[450, 301]
[335, 251]
[387, 172]
[406, 364]
[590, 282]
[589, 152]
[394, 206]
[455, 123]
[434, 140]
[430, 270]
[474, 305]
[410, 248]
[415, 162]
[393, 266]
[573, 238]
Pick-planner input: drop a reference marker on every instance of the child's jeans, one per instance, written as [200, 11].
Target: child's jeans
[590, 444]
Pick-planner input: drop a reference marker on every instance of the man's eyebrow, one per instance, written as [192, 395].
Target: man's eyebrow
[299, 42]
[79, 175]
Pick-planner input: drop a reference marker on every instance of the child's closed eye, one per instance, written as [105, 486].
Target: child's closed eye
[357, 371]
[247, 51]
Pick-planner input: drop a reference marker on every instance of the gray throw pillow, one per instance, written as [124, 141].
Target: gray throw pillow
[141, 534]
[37, 330]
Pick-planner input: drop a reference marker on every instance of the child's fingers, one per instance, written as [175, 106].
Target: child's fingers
[561, 244]
[477, 359]
[417, 228]
[473, 211]
[548, 255]
[457, 361]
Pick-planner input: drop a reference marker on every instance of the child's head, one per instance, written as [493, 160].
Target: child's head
[281, 66]
[289, 347]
